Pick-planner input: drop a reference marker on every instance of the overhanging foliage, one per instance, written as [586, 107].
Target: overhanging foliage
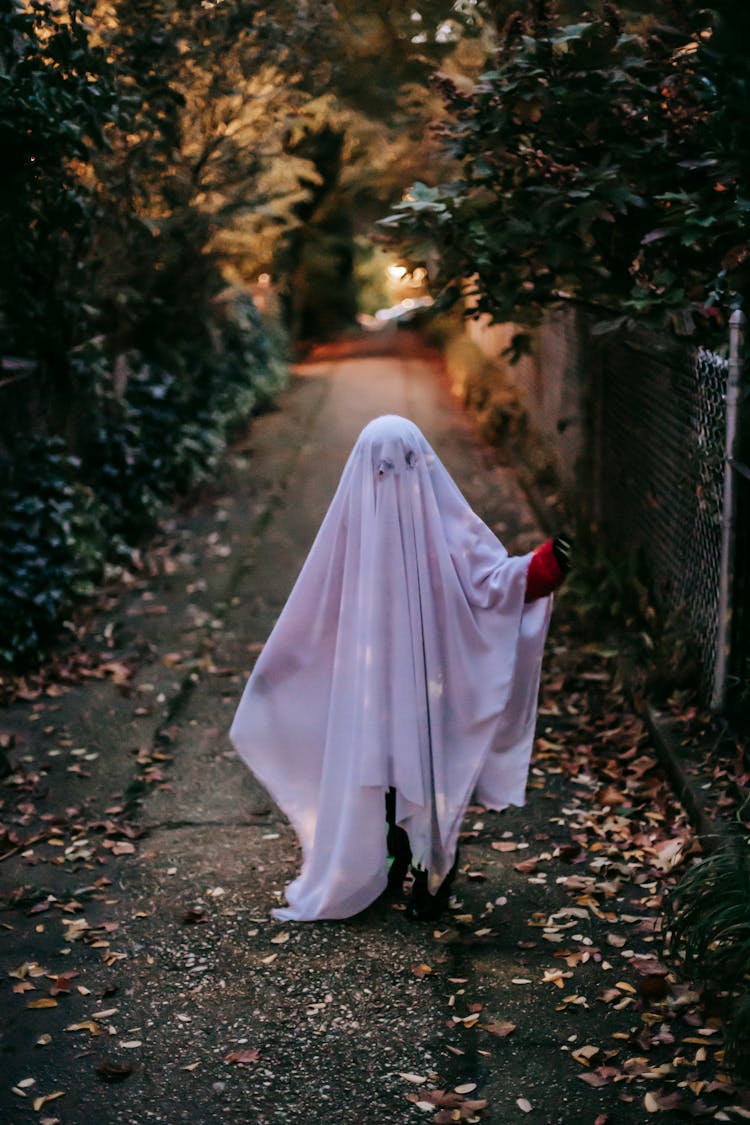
[598, 162]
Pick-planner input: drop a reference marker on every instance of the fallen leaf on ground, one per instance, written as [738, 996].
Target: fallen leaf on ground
[501, 1029]
[617, 940]
[86, 1025]
[244, 1058]
[585, 1054]
[39, 1102]
[63, 983]
[591, 1078]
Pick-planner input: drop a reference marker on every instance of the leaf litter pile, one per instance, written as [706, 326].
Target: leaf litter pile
[602, 840]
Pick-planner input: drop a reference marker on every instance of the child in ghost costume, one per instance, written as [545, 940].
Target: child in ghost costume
[405, 662]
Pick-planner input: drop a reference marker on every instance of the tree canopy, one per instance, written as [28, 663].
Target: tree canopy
[155, 152]
[599, 160]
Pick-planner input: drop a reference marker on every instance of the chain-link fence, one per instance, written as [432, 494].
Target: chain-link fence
[662, 431]
[634, 431]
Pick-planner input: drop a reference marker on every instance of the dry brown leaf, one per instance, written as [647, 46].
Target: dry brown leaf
[501, 1029]
[86, 1025]
[63, 983]
[585, 1054]
[656, 1103]
[610, 796]
[244, 1058]
[556, 977]
[591, 1078]
[42, 1101]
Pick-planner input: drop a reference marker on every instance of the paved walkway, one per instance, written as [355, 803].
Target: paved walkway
[142, 858]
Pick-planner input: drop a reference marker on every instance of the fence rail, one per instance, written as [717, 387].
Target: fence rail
[738, 669]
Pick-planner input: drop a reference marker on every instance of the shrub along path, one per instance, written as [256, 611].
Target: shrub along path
[142, 978]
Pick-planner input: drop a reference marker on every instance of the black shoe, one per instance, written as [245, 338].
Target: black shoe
[396, 875]
[398, 847]
[425, 907]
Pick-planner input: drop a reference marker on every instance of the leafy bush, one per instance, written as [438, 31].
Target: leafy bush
[707, 929]
[141, 438]
[52, 546]
[609, 165]
[57, 102]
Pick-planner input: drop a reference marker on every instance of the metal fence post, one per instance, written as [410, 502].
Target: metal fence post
[736, 333]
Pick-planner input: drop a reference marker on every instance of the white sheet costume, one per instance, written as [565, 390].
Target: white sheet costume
[406, 657]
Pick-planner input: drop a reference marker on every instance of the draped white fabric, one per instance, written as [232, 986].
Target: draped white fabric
[404, 657]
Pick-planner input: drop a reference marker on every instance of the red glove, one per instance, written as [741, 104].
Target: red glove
[544, 574]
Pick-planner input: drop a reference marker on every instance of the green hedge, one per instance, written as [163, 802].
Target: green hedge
[65, 512]
[52, 546]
